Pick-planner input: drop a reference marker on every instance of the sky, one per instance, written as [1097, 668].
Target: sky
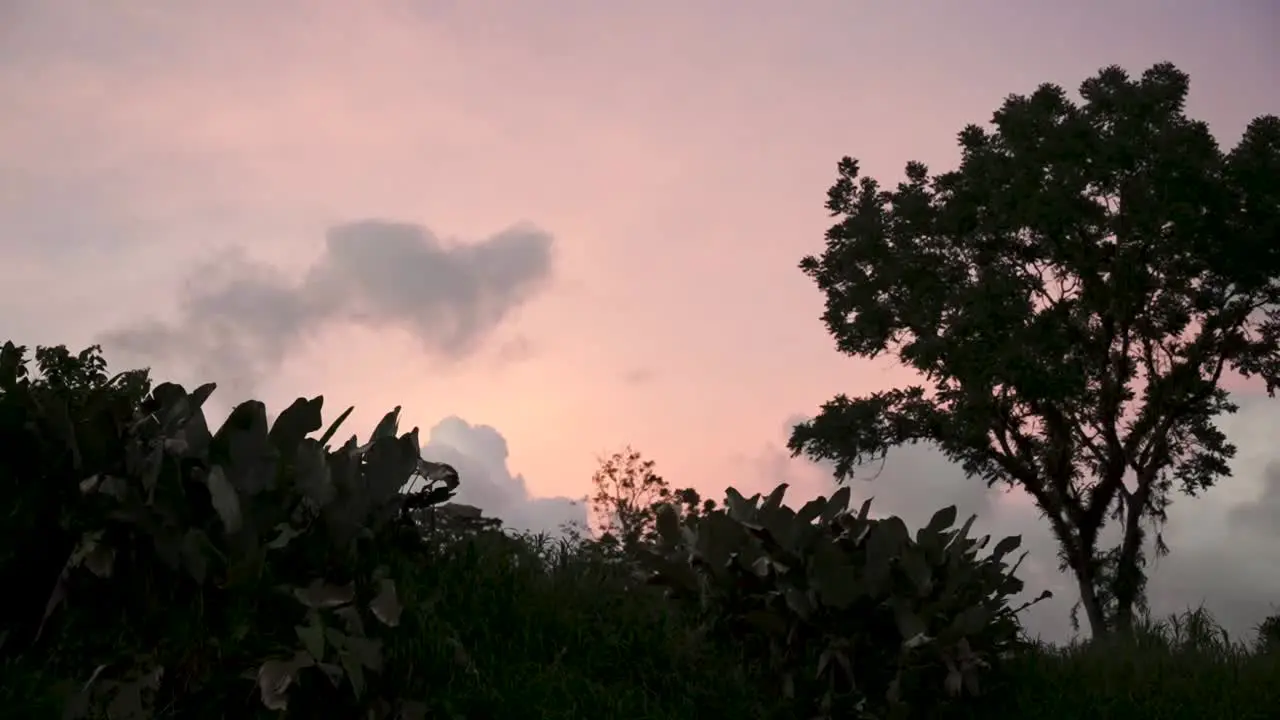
[552, 229]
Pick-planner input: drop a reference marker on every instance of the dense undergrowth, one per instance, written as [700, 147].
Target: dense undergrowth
[570, 639]
[157, 569]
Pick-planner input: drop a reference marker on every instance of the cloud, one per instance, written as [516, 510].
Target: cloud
[479, 454]
[1263, 515]
[1224, 545]
[243, 315]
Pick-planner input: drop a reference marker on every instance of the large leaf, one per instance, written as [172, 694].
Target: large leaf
[224, 498]
[297, 421]
[386, 605]
[320, 594]
[836, 504]
[386, 427]
[333, 428]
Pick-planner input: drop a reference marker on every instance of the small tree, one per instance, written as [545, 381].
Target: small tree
[627, 495]
[55, 395]
[1073, 293]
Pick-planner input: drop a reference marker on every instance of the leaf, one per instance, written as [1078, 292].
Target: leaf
[312, 475]
[954, 681]
[97, 557]
[198, 396]
[367, 651]
[387, 426]
[1006, 546]
[916, 567]
[224, 498]
[439, 473]
[285, 533]
[350, 617]
[942, 519]
[297, 421]
[799, 603]
[959, 541]
[335, 673]
[667, 523]
[274, 678]
[312, 637]
[774, 499]
[386, 606]
[319, 594]
[739, 508]
[355, 672]
[129, 703]
[836, 504]
[328, 434]
[811, 511]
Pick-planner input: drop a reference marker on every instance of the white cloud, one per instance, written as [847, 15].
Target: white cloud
[479, 454]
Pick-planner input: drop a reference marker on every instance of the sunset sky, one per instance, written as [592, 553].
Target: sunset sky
[552, 228]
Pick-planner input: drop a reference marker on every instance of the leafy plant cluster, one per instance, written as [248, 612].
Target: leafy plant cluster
[849, 610]
[184, 557]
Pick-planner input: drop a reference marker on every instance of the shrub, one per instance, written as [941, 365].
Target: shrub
[202, 560]
[846, 609]
[1268, 640]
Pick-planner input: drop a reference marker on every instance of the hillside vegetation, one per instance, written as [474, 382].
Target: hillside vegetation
[157, 569]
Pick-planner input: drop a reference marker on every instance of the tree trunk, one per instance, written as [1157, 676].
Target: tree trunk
[1129, 577]
[1089, 600]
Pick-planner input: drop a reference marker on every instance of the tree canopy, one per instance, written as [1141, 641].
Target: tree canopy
[1072, 295]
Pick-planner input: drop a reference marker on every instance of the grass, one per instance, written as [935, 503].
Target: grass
[1183, 666]
[550, 631]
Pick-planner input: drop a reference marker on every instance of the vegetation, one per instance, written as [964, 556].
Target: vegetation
[1072, 294]
[158, 569]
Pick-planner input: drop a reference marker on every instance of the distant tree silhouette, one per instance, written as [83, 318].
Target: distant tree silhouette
[626, 497]
[1072, 296]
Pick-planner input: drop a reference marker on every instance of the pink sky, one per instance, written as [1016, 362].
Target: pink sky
[678, 153]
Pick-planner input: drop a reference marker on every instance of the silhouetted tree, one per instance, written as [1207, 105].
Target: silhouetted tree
[627, 495]
[1072, 295]
[43, 404]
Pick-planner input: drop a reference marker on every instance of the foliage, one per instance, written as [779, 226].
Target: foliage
[492, 624]
[68, 396]
[1268, 639]
[852, 610]
[1073, 293]
[198, 556]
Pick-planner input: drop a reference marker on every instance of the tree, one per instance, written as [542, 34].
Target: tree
[66, 396]
[627, 495]
[1072, 294]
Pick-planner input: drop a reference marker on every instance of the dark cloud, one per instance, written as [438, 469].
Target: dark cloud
[1263, 515]
[479, 454]
[1224, 550]
[243, 315]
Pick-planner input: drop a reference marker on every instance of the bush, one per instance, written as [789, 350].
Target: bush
[195, 557]
[845, 609]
